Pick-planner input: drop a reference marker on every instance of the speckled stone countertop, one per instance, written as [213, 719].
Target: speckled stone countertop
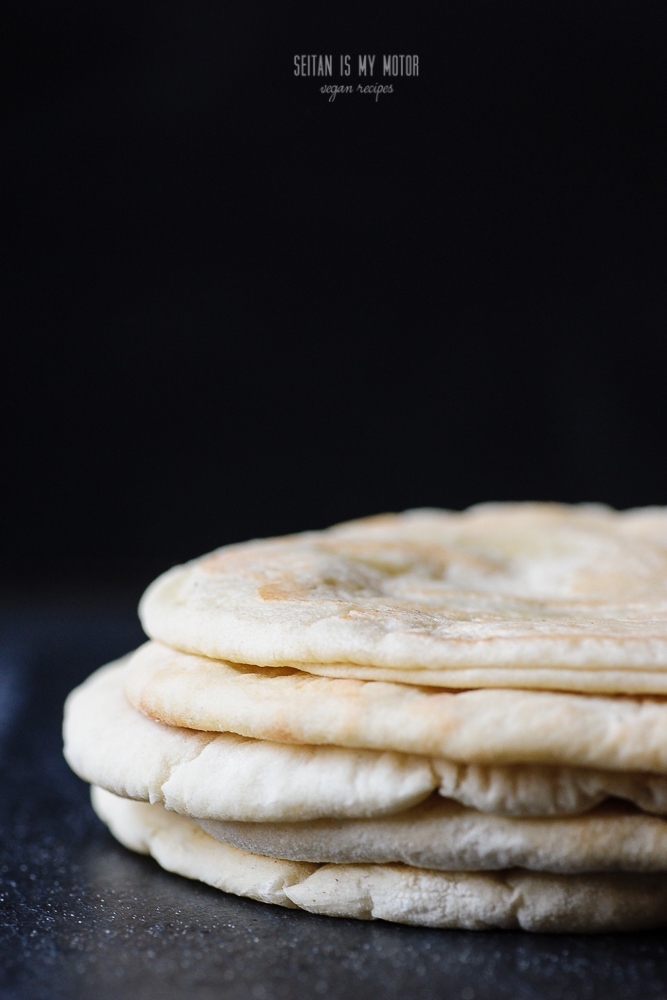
[83, 918]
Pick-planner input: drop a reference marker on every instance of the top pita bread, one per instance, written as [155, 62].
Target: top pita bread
[501, 595]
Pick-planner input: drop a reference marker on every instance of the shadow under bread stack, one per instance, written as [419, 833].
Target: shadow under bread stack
[434, 718]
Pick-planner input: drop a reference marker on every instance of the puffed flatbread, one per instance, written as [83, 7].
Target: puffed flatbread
[224, 776]
[513, 899]
[447, 836]
[491, 727]
[512, 595]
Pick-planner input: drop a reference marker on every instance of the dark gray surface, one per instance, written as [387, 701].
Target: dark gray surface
[81, 917]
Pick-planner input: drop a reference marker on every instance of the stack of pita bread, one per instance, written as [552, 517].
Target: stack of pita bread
[435, 718]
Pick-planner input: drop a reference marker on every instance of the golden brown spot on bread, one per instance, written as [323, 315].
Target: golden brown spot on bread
[283, 592]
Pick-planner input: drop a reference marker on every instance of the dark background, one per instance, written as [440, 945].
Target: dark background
[234, 309]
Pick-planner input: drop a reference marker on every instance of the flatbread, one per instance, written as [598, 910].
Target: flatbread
[532, 790]
[490, 727]
[180, 846]
[225, 776]
[511, 595]
[447, 836]
[511, 899]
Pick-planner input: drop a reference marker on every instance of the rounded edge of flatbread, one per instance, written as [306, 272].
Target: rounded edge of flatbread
[180, 846]
[446, 836]
[485, 726]
[401, 894]
[224, 775]
[529, 595]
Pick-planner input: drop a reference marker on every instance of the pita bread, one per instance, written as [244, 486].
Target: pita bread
[180, 846]
[531, 790]
[494, 727]
[511, 595]
[536, 678]
[512, 899]
[224, 776]
[448, 836]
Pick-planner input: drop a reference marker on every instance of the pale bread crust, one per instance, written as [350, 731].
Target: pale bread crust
[180, 846]
[225, 776]
[537, 678]
[489, 727]
[518, 595]
[512, 899]
[445, 835]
